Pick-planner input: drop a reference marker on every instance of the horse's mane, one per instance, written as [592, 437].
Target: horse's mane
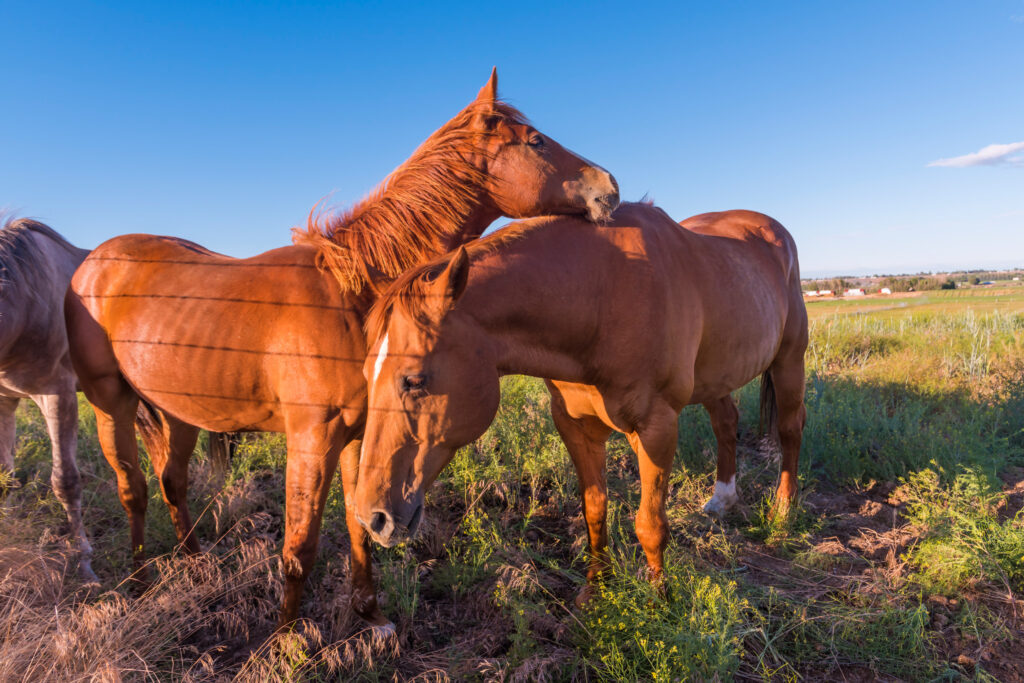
[19, 253]
[414, 212]
[409, 291]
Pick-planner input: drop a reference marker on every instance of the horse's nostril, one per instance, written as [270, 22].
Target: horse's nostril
[379, 522]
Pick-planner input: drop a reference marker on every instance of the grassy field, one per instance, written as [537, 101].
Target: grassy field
[904, 562]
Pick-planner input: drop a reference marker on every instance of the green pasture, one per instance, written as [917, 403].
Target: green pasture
[905, 560]
[1005, 297]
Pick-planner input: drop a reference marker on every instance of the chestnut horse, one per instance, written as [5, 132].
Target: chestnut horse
[645, 318]
[189, 338]
[36, 265]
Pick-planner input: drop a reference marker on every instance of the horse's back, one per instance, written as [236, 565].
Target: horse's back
[154, 267]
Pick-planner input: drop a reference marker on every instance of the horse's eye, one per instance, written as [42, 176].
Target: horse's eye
[536, 140]
[414, 383]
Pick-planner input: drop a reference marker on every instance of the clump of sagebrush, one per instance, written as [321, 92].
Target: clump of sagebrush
[964, 542]
[689, 627]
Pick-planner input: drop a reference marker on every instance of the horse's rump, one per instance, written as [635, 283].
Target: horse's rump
[211, 339]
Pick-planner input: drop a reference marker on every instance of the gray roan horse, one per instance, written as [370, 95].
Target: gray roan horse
[36, 265]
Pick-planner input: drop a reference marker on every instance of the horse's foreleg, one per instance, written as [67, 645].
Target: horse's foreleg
[724, 421]
[364, 590]
[655, 446]
[312, 461]
[7, 435]
[60, 410]
[585, 440]
[170, 443]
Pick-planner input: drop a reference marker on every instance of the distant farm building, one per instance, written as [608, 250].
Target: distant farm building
[854, 292]
[885, 290]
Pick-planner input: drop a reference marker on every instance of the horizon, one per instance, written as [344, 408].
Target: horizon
[878, 134]
[885, 272]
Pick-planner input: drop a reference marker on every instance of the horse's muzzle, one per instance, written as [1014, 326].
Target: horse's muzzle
[603, 195]
[388, 531]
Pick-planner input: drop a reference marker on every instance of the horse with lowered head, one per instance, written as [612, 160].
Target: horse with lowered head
[36, 265]
[184, 338]
[632, 328]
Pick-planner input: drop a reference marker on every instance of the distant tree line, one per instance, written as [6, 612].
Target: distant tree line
[836, 284]
[916, 283]
[905, 283]
[911, 283]
[979, 276]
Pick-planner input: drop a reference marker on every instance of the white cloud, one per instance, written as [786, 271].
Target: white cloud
[1011, 154]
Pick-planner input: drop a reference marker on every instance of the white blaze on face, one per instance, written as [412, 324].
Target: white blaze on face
[381, 355]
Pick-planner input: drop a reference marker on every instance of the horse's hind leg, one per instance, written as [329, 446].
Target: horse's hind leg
[115, 404]
[585, 438]
[7, 436]
[60, 411]
[724, 421]
[170, 443]
[787, 373]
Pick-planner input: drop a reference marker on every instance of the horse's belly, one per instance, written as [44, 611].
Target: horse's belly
[208, 387]
[239, 368]
[731, 361]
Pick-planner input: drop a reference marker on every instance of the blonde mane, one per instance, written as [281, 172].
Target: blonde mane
[415, 212]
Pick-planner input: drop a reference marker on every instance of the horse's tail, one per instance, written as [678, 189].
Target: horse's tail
[219, 449]
[768, 423]
[150, 424]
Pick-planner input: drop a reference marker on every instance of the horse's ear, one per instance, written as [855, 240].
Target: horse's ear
[489, 93]
[452, 282]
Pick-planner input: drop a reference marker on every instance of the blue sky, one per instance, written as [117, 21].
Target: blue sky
[225, 122]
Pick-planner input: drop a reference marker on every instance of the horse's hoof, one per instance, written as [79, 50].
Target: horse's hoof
[383, 631]
[725, 497]
[585, 597]
[88, 576]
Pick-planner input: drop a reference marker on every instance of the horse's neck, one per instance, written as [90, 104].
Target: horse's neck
[472, 225]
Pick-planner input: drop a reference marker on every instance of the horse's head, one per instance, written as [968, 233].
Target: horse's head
[527, 173]
[434, 387]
